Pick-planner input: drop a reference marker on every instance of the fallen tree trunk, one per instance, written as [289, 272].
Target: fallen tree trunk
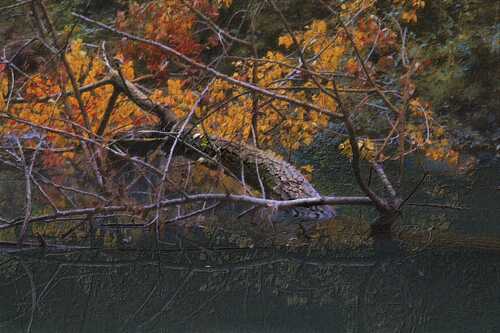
[262, 170]
[388, 207]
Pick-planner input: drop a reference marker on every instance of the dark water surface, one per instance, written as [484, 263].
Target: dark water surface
[250, 290]
[232, 283]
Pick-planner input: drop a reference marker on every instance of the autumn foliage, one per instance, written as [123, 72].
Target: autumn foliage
[353, 66]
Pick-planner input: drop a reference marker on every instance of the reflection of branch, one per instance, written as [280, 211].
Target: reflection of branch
[166, 307]
[210, 299]
[143, 305]
[48, 284]
[276, 257]
[33, 294]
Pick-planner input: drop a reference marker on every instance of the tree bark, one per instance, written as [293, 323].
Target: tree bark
[248, 163]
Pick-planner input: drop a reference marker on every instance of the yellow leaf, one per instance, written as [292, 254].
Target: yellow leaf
[225, 3]
[351, 66]
[285, 41]
[307, 168]
[318, 26]
[409, 16]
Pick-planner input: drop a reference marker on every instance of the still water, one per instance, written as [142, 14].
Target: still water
[250, 290]
[439, 273]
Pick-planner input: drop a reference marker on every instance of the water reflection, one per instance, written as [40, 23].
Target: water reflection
[236, 281]
[196, 289]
